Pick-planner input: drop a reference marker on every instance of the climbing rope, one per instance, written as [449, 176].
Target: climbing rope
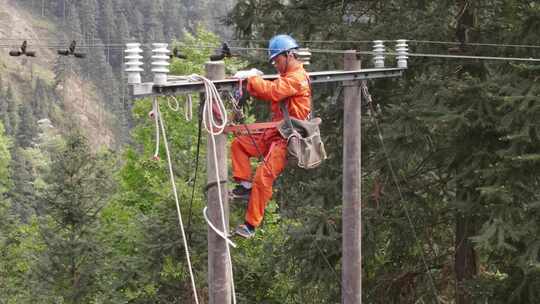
[157, 115]
[214, 106]
[154, 114]
[188, 108]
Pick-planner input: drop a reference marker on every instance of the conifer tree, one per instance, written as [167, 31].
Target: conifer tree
[27, 128]
[78, 187]
[5, 158]
[40, 100]
[173, 25]
[11, 121]
[153, 28]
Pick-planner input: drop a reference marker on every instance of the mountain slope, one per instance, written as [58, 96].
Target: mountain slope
[73, 98]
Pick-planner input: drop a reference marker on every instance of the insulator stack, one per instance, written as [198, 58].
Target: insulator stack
[304, 54]
[378, 56]
[160, 62]
[134, 63]
[402, 51]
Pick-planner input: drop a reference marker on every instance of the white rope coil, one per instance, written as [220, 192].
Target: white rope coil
[175, 107]
[176, 103]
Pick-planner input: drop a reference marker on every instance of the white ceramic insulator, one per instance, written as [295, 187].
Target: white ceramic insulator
[402, 51]
[160, 62]
[378, 53]
[133, 62]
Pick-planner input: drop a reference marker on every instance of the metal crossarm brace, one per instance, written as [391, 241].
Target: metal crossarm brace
[180, 85]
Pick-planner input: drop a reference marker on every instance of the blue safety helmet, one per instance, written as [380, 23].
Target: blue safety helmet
[280, 44]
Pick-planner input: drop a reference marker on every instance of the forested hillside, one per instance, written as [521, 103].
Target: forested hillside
[450, 161]
[60, 115]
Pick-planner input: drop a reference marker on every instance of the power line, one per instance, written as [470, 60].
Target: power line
[448, 56]
[415, 41]
[321, 50]
[477, 44]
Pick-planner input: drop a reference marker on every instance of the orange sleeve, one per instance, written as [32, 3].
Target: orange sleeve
[275, 90]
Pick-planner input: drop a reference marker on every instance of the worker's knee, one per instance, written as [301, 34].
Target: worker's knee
[263, 177]
[236, 145]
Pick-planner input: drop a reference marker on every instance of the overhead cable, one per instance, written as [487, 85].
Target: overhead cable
[327, 41]
[319, 50]
[458, 56]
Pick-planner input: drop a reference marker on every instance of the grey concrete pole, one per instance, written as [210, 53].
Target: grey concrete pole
[351, 286]
[219, 284]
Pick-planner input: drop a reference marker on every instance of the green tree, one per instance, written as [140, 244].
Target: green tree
[40, 99]
[27, 128]
[11, 117]
[79, 185]
[173, 23]
[153, 29]
[4, 162]
[87, 13]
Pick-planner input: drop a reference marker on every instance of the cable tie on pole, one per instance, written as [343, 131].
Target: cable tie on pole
[212, 184]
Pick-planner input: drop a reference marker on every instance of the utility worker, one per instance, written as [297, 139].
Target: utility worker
[293, 88]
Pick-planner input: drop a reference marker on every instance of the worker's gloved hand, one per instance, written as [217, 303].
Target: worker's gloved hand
[247, 74]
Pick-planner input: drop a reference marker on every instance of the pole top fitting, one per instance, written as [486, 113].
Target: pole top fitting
[160, 62]
[133, 63]
[402, 51]
[378, 52]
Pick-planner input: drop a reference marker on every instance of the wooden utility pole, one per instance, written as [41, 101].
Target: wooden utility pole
[219, 282]
[351, 285]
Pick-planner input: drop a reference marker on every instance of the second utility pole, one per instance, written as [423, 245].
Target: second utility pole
[351, 276]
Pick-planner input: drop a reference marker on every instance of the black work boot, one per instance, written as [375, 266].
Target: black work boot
[240, 192]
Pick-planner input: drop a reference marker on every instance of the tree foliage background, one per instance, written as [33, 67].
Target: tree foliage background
[461, 136]
[450, 195]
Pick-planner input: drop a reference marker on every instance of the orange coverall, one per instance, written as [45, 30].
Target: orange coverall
[293, 87]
